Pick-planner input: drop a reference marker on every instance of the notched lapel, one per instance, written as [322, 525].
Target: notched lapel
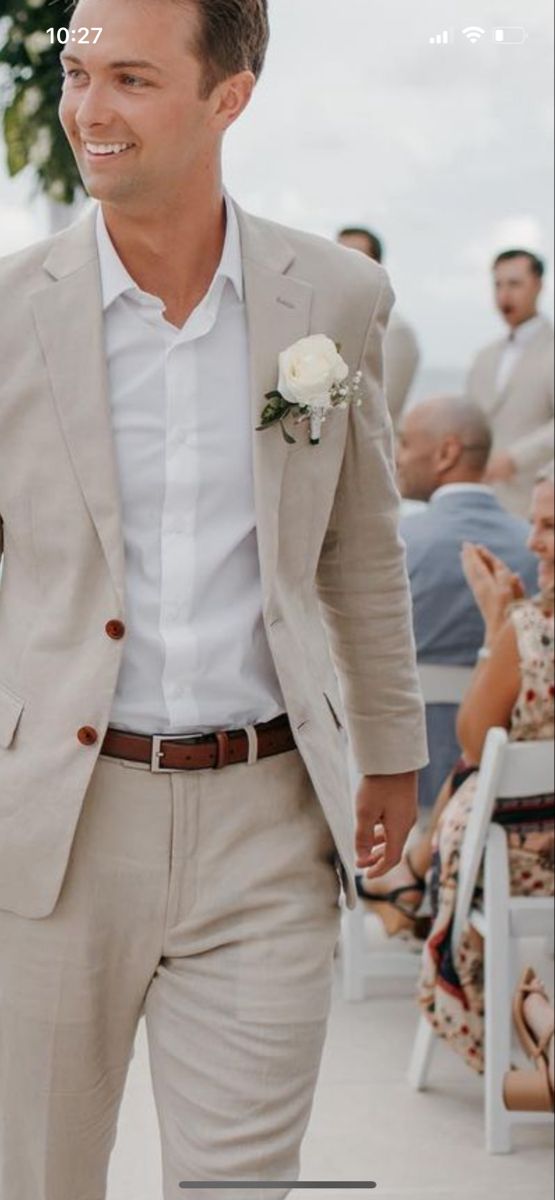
[68, 315]
[278, 314]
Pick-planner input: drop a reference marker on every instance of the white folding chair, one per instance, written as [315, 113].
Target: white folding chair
[508, 771]
[440, 685]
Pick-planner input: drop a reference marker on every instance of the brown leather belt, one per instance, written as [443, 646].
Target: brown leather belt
[201, 752]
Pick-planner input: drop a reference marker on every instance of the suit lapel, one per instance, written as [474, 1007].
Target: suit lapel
[278, 314]
[526, 365]
[493, 399]
[522, 370]
[69, 320]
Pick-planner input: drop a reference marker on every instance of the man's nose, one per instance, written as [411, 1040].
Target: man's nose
[93, 109]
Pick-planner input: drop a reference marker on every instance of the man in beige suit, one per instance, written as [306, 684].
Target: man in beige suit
[401, 348]
[175, 818]
[512, 381]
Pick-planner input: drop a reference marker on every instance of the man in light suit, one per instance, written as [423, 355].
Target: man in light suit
[512, 381]
[175, 817]
[401, 349]
[443, 450]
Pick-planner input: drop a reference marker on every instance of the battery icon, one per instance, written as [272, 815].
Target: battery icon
[511, 35]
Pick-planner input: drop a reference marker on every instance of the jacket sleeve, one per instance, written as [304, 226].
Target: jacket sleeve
[472, 383]
[363, 584]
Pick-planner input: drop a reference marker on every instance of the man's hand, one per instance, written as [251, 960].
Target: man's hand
[387, 810]
[501, 468]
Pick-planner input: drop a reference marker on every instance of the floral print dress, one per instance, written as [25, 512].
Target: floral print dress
[451, 985]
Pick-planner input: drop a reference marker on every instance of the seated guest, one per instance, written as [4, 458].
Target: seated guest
[443, 451]
[513, 688]
[401, 348]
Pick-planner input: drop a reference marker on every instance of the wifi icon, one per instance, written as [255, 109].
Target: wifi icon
[474, 33]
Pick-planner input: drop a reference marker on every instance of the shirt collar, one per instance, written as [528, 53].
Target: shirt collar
[453, 489]
[525, 332]
[116, 280]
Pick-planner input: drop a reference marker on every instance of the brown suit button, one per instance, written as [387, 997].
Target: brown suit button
[116, 630]
[87, 736]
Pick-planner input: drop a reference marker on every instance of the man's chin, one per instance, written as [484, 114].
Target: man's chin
[106, 189]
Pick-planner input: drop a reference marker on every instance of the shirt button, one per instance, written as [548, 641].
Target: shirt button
[87, 736]
[115, 630]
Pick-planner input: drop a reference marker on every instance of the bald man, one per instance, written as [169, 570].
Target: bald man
[443, 450]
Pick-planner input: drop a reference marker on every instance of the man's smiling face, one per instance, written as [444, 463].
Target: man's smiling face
[131, 105]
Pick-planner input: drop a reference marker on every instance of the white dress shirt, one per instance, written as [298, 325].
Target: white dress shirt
[196, 657]
[514, 347]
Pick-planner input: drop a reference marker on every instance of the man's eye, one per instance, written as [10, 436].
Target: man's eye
[71, 74]
[134, 80]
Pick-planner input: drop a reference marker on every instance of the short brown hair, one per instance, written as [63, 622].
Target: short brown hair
[233, 36]
[537, 264]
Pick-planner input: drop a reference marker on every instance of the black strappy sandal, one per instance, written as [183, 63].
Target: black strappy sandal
[396, 917]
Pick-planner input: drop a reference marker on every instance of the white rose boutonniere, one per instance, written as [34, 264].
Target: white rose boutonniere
[313, 380]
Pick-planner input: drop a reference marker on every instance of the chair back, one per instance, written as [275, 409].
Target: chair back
[509, 770]
[444, 684]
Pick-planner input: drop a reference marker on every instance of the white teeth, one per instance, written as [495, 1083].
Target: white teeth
[116, 148]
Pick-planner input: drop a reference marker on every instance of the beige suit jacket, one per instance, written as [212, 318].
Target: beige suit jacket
[402, 359]
[332, 565]
[521, 415]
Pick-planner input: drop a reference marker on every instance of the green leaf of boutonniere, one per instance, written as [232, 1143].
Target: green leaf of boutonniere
[291, 441]
[276, 410]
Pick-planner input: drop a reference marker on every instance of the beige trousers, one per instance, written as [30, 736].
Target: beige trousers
[209, 902]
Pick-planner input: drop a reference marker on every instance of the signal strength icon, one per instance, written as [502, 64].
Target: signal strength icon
[441, 39]
[474, 33]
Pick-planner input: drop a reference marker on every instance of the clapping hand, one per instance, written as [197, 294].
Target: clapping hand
[494, 586]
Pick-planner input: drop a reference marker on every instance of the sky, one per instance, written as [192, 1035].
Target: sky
[446, 150]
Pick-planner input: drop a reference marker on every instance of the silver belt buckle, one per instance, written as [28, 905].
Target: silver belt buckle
[158, 754]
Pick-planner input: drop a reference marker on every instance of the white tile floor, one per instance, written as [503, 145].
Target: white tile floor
[367, 1123]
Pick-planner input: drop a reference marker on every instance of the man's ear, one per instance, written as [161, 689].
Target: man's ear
[448, 453]
[231, 98]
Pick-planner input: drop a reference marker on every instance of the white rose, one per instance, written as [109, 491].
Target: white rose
[57, 190]
[309, 370]
[42, 147]
[31, 101]
[37, 43]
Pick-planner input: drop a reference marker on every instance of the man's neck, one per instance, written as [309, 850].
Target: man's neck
[172, 253]
[476, 480]
[525, 321]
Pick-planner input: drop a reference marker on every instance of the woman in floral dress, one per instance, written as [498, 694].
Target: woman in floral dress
[514, 688]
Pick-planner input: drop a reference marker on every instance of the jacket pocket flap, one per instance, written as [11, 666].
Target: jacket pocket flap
[11, 708]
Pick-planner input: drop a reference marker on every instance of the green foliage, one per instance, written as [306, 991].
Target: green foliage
[30, 86]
